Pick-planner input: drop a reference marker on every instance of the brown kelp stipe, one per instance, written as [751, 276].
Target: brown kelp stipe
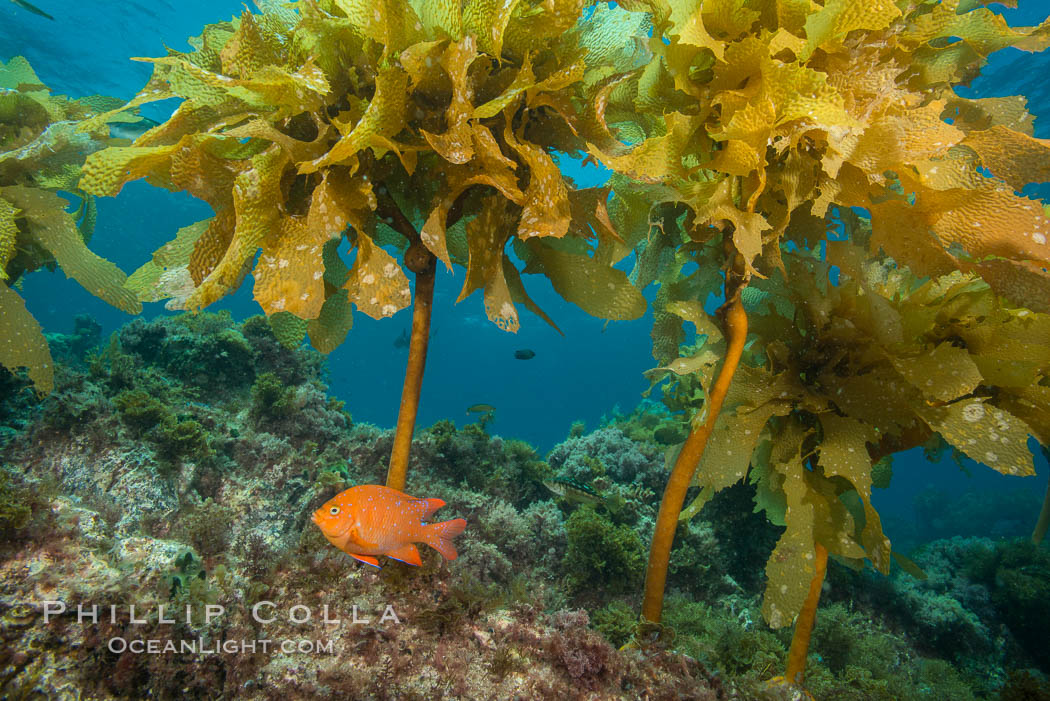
[687, 462]
[417, 360]
[422, 262]
[796, 662]
[1043, 523]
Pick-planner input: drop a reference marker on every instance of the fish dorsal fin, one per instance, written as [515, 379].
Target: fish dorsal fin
[430, 506]
[367, 559]
[407, 554]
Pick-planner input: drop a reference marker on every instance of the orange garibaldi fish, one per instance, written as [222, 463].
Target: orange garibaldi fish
[370, 520]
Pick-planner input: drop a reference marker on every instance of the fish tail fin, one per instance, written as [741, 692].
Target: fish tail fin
[439, 536]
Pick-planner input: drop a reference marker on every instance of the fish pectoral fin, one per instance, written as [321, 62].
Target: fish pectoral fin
[367, 559]
[407, 554]
[355, 537]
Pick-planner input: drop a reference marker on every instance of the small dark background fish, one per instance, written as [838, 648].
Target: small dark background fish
[131, 130]
[524, 354]
[32, 8]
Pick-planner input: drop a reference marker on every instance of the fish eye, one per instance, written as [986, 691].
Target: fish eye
[334, 510]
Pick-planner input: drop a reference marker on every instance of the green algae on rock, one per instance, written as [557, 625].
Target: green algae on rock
[234, 532]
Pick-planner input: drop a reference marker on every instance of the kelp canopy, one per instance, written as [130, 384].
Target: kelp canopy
[782, 109]
[375, 121]
[41, 151]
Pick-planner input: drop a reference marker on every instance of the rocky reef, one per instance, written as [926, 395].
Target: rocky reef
[174, 470]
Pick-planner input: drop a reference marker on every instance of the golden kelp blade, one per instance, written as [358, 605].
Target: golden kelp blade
[943, 374]
[986, 433]
[56, 231]
[879, 318]
[844, 453]
[255, 191]
[105, 172]
[545, 209]
[486, 235]
[440, 17]
[288, 276]
[329, 329]
[22, 342]
[155, 280]
[838, 17]
[377, 284]
[1024, 282]
[456, 144]
[382, 120]
[791, 565]
[600, 291]
[433, 231]
[8, 234]
[289, 329]
[1012, 155]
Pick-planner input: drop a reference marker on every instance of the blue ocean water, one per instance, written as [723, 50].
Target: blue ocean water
[582, 375]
